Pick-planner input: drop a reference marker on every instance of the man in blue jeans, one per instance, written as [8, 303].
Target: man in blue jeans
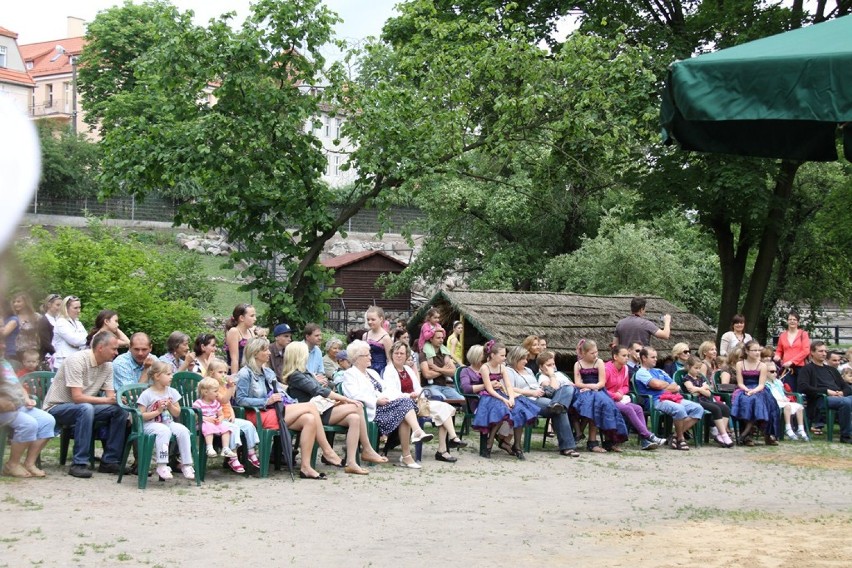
[653, 382]
[818, 378]
[438, 368]
[81, 394]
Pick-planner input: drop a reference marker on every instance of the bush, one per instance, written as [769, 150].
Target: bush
[151, 292]
[669, 257]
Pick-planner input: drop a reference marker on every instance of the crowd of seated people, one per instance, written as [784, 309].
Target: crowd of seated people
[381, 377]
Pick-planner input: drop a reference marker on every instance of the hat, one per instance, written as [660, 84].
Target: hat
[281, 329]
[341, 356]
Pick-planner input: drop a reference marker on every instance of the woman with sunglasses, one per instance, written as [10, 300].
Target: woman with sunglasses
[680, 353]
[69, 335]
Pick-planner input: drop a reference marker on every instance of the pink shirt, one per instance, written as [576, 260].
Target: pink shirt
[617, 382]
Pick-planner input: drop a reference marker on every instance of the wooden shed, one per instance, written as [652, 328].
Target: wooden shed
[563, 319]
[357, 272]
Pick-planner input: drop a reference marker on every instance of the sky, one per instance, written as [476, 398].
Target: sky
[44, 20]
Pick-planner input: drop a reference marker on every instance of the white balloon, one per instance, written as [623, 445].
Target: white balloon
[20, 168]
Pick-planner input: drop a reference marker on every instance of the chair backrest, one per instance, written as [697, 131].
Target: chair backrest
[37, 384]
[127, 397]
[186, 383]
[678, 377]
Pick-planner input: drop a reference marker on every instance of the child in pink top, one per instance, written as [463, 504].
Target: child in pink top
[427, 330]
[213, 418]
[618, 388]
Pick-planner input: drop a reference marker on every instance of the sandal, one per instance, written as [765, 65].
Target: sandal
[236, 466]
[569, 453]
[253, 460]
[518, 453]
[595, 447]
[816, 431]
[505, 447]
[682, 445]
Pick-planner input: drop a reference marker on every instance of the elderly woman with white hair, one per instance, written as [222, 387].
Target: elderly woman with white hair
[400, 380]
[329, 360]
[387, 409]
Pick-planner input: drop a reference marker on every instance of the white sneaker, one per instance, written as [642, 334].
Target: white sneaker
[657, 440]
[803, 436]
[228, 453]
[211, 453]
[790, 434]
[188, 471]
[714, 431]
[164, 471]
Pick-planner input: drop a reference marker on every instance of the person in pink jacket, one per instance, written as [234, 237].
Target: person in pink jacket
[618, 388]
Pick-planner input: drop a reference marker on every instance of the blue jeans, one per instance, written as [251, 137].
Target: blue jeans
[561, 423]
[680, 411]
[444, 393]
[83, 417]
[843, 406]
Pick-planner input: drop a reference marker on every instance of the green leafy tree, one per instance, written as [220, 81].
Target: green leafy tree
[669, 256]
[70, 164]
[501, 142]
[151, 292]
[218, 114]
[744, 203]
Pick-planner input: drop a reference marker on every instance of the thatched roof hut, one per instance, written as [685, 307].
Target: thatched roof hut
[563, 319]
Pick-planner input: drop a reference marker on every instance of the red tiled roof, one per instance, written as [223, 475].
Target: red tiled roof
[353, 257]
[8, 33]
[40, 54]
[16, 77]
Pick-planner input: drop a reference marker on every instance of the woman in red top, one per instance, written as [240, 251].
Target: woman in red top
[793, 349]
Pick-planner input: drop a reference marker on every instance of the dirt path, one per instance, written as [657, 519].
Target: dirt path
[758, 507]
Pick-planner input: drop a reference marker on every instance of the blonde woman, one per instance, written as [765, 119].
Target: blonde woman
[340, 411]
[680, 353]
[69, 335]
[707, 355]
[258, 387]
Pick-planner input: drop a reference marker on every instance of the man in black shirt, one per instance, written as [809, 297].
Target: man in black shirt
[816, 378]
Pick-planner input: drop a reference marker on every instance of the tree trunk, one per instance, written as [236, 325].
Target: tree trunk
[732, 260]
[769, 245]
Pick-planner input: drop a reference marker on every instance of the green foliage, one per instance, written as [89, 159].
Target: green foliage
[151, 292]
[669, 257]
[70, 164]
[213, 114]
[508, 156]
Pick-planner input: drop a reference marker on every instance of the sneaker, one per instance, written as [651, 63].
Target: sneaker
[803, 436]
[164, 471]
[188, 471]
[714, 431]
[790, 434]
[211, 453]
[228, 453]
[647, 444]
[80, 470]
[658, 441]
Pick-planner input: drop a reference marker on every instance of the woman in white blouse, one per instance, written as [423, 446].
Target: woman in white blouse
[388, 410]
[69, 335]
[400, 380]
[737, 337]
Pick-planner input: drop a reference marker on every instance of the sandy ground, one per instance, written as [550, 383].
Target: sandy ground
[757, 507]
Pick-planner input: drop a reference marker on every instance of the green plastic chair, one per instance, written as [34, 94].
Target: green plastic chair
[37, 384]
[372, 428]
[467, 418]
[830, 417]
[127, 397]
[5, 432]
[186, 383]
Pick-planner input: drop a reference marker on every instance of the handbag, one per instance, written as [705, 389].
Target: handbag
[422, 405]
[322, 403]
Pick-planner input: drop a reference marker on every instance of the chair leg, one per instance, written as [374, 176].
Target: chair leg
[264, 450]
[64, 442]
[146, 450]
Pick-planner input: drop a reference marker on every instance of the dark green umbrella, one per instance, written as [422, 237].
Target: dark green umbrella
[784, 96]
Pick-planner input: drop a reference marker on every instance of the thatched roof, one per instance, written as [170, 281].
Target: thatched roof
[563, 318]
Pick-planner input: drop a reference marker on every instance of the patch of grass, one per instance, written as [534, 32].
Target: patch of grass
[123, 557]
[25, 504]
[692, 513]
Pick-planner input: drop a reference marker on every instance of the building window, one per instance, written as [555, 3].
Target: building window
[66, 94]
[326, 121]
[335, 170]
[48, 95]
[336, 128]
[2, 56]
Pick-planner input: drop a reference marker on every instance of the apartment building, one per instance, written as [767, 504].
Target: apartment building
[16, 85]
[53, 67]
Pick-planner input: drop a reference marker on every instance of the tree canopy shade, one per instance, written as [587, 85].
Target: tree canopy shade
[784, 96]
[220, 115]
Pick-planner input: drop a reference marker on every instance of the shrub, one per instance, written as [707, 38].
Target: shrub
[151, 292]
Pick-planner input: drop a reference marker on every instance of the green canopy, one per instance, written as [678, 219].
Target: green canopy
[784, 96]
